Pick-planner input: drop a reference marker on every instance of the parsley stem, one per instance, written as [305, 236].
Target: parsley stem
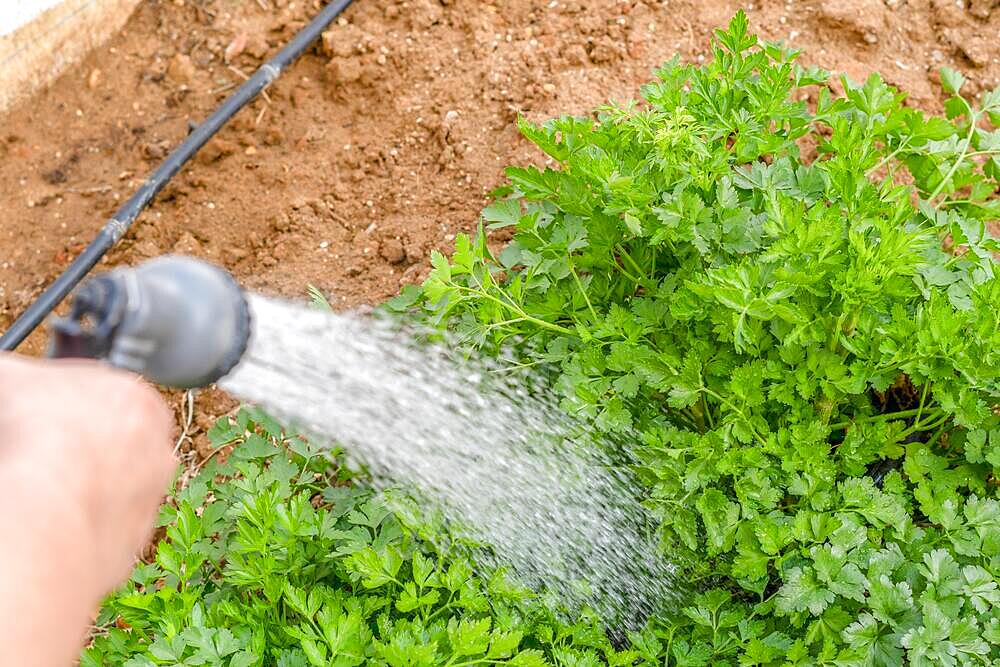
[735, 409]
[534, 320]
[504, 323]
[889, 157]
[579, 284]
[927, 426]
[902, 414]
[973, 120]
[923, 398]
[635, 266]
[517, 367]
[958, 202]
[708, 412]
[936, 436]
[621, 269]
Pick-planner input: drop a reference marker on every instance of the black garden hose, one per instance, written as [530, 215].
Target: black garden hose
[116, 227]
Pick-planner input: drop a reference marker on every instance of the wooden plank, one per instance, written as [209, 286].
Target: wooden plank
[36, 53]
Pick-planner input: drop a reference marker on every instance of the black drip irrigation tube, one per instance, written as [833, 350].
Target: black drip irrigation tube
[116, 227]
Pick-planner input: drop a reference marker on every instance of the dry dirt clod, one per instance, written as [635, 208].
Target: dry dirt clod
[341, 40]
[273, 136]
[982, 8]
[187, 244]
[257, 46]
[234, 254]
[216, 149]
[344, 70]
[181, 70]
[156, 150]
[392, 251]
[977, 49]
[865, 18]
[412, 275]
[948, 13]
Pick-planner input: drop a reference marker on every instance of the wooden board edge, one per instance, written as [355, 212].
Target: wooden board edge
[36, 53]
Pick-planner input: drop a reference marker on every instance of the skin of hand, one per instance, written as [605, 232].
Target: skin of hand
[85, 460]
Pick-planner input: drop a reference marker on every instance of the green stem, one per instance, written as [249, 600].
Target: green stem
[504, 323]
[698, 413]
[685, 418]
[973, 119]
[621, 269]
[542, 323]
[926, 426]
[447, 605]
[579, 284]
[634, 265]
[516, 367]
[888, 157]
[959, 202]
[892, 415]
[935, 437]
[735, 409]
[708, 412]
[923, 397]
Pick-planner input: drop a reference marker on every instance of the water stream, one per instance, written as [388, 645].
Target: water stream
[491, 449]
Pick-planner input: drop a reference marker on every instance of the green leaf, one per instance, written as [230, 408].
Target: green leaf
[529, 658]
[802, 592]
[721, 518]
[469, 637]
[951, 80]
[505, 213]
[876, 642]
[979, 589]
[315, 652]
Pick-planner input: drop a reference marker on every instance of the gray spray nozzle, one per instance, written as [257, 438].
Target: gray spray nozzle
[178, 321]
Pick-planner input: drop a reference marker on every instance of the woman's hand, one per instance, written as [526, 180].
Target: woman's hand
[85, 459]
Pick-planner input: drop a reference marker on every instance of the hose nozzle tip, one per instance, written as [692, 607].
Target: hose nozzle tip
[178, 321]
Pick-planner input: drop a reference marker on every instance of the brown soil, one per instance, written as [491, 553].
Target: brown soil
[381, 144]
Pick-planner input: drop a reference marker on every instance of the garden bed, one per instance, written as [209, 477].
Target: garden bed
[732, 273]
